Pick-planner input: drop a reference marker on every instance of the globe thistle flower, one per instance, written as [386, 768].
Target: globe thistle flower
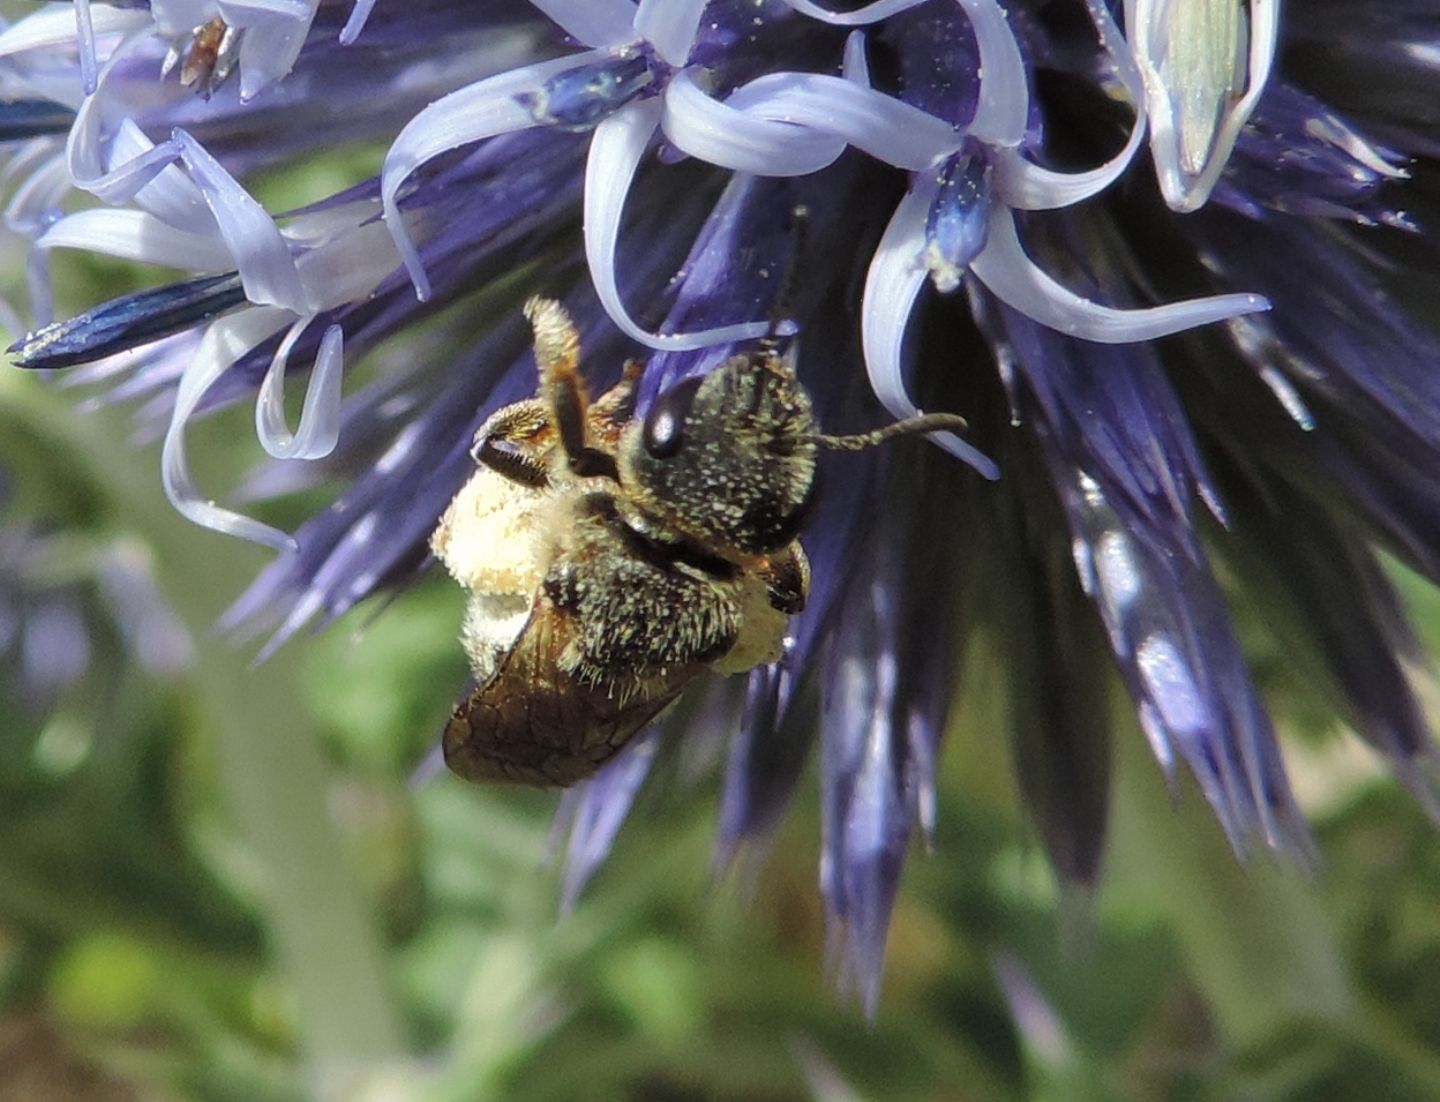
[1153, 252]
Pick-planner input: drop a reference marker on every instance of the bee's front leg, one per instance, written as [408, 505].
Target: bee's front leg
[617, 404]
[562, 387]
[506, 443]
[568, 407]
[787, 579]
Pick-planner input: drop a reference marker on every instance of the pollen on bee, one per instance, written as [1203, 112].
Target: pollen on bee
[557, 345]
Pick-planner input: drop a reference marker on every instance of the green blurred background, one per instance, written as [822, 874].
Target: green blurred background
[223, 885]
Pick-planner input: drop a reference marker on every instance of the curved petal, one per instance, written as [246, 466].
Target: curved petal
[53, 26]
[481, 110]
[171, 195]
[136, 235]
[597, 23]
[870, 13]
[264, 260]
[224, 342]
[670, 26]
[274, 33]
[1003, 112]
[1027, 186]
[615, 151]
[1014, 279]
[117, 184]
[703, 127]
[892, 284]
[320, 416]
[883, 126]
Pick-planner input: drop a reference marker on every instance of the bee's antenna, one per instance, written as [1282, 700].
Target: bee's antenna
[924, 422]
[790, 278]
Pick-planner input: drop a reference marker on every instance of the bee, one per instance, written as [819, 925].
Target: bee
[610, 559]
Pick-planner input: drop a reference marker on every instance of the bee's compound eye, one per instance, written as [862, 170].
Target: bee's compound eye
[665, 423]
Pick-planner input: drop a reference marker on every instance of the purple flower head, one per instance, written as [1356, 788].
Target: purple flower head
[1168, 259]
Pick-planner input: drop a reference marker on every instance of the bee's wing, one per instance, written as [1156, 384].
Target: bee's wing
[534, 723]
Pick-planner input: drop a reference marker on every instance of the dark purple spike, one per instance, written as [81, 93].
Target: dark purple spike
[771, 745]
[865, 818]
[1372, 60]
[595, 811]
[739, 40]
[129, 322]
[1340, 621]
[1342, 331]
[887, 688]
[740, 265]
[33, 118]
[1298, 155]
[764, 764]
[1056, 670]
[1140, 562]
[1382, 483]
[1117, 403]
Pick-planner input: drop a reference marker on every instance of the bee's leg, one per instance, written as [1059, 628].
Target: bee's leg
[562, 387]
[787, 579]
[568, 405]
[504, 444]
[618, 403]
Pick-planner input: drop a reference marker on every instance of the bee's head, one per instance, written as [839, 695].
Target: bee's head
[728, 458]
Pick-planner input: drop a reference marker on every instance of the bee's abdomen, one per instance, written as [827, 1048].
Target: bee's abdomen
[536, 722]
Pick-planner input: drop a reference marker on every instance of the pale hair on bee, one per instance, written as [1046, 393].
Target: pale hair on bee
[610, 560]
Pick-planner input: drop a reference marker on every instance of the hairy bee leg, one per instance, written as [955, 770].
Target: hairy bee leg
[787, 579]
[562, 387]
[617, 404]
[503, 444]
[569, 406]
